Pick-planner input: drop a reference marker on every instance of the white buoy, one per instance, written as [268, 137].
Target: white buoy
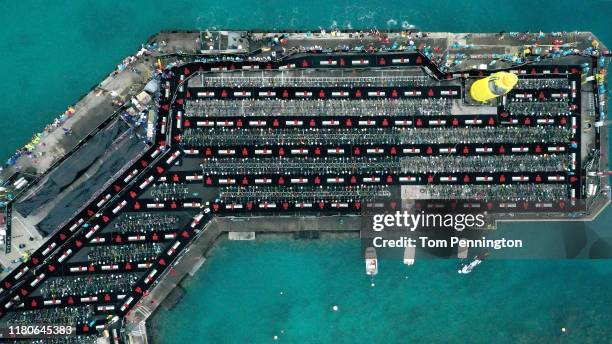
[335, 308]
[563, 329]
[275, 337]
[282, 293]
[373, 284]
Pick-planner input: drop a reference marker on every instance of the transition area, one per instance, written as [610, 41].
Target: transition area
[311, 129]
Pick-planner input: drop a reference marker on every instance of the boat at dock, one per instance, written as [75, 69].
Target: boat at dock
[409, 253]
[371, 261]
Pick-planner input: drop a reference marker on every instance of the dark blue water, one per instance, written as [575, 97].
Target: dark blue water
[54, 52]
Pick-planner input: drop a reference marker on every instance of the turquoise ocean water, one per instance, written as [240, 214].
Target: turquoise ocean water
[54, 52]
[236, 298]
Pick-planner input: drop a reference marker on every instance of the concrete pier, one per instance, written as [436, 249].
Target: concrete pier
[166, 175]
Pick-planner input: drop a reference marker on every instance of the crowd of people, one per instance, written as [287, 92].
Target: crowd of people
[58, 122]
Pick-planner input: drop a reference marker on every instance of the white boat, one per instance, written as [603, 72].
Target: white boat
[467, 268]
[409, 253]
[371, 261]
